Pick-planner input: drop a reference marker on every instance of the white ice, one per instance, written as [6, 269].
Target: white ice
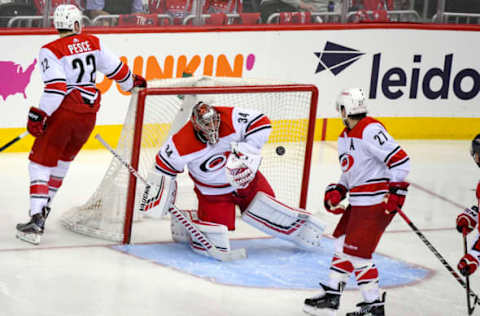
[70, 274]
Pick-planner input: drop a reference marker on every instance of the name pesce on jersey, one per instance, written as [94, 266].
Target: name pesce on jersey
[77, 48]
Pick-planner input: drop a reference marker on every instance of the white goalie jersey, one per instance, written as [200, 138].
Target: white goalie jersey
[205, 162]
[370, 159]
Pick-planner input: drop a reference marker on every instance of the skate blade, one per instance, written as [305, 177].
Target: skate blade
[319, 312]
[29, 237]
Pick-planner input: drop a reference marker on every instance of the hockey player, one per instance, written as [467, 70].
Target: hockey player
[374, 168]
[468, 219]
[67, 109]
[221, 146]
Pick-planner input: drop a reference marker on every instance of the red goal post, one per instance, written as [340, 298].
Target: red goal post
[156, 111]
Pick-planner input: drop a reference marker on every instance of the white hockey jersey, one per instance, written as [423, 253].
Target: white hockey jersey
[370, 159]
[70, 64]
[206, 162]
[476, 245]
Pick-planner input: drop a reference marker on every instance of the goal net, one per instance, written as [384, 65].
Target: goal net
[157, 112]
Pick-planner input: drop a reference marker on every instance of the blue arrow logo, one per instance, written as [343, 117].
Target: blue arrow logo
[336, 58]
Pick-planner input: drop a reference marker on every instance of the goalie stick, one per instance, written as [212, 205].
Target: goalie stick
[442, 260]
[13, 141]
[174, 211]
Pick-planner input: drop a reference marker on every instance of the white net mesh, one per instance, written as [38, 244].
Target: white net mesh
[103, 215]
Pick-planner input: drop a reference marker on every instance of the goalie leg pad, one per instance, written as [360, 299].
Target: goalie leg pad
[217, 234]
[279, 220]
[179, 233]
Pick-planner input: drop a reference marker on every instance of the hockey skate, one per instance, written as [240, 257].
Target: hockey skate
[375, 308]
[33, 230]
[326, 303]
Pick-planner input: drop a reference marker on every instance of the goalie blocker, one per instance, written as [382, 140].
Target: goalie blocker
[264, 213]
[159, 195]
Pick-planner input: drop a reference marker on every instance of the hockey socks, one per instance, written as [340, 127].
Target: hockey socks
[56, 178]
[39, 177]
[367, 280]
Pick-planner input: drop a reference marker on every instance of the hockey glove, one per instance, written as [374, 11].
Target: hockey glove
[334, 194]
[160, 196]
[467, 264]
[242, 165]
[396, 196]
[37, 121]
[467, 220]
[139, 81]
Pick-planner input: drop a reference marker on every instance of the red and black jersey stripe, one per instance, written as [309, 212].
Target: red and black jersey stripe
[373, 187]
[56, 86]
[162, 165]
[396, 158]
[121, 73]
[257, 124]
[285, 230]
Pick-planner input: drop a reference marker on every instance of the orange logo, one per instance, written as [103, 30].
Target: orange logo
[208, 65]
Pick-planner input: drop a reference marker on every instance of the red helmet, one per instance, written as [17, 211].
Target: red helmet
[206, 122]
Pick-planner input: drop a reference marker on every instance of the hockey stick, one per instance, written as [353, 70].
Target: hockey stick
[130, 169]
[13, 141]
[467, 278]
[182, 219]
[438, 255]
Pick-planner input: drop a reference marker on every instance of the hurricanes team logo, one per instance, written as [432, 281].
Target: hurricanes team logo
[346, 162]
[336, 58]
[214, 163]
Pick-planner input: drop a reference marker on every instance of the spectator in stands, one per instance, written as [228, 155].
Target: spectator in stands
[268, 7]
[178, 9]
[463, 6]
[40, 5]
[371, 10]
[12, 9]
[371, 5]
[402, 5]
[218, 10]
[96, 8]
[222, 6]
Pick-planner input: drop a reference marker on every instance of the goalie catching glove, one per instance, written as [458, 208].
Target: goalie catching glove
[159, 195]
[242, 164]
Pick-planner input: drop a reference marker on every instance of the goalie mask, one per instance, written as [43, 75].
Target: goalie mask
[65, 17]
[352, 100]
[475, 149]
[206, 122]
